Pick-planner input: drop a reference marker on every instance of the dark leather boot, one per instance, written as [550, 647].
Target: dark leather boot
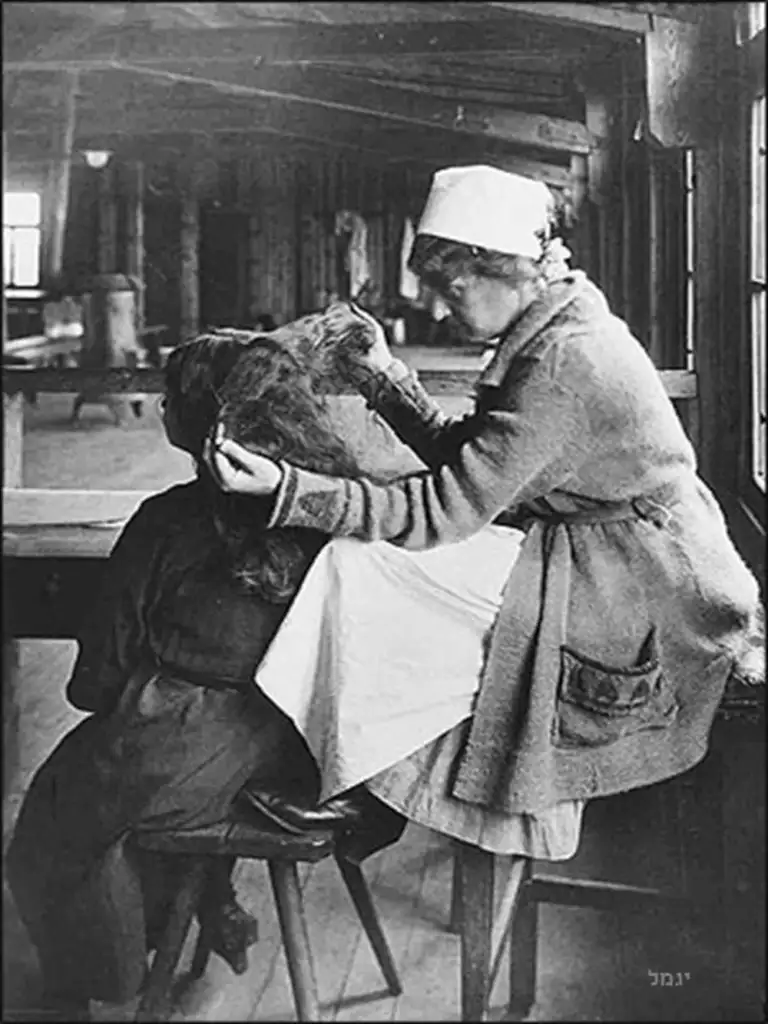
[379, 827]
[298, 816]
[230, 931]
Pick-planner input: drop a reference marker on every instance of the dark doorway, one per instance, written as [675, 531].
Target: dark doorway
[223, 264]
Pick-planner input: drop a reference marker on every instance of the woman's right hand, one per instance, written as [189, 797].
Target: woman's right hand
[360, 341]
[237, 470]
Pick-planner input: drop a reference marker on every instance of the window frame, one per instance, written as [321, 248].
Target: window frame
[11, 231]
[753, 87]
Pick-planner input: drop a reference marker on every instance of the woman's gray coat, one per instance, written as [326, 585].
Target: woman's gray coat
[629, 605]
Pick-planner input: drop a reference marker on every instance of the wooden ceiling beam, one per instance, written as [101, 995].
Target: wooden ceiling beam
[393, 144]
[304, 42]
[285, 98]
[596, 16]
[91, 128]
[314, 88]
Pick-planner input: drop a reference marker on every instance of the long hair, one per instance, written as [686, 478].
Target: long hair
[273, 403]
[194, 374]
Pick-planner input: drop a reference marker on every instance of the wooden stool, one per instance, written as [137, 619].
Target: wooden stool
[484, 936]
[282, 852]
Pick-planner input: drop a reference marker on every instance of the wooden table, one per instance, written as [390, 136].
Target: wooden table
[55, 549]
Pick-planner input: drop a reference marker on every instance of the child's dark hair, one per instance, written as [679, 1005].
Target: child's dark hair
[194, 375]
[267, 392]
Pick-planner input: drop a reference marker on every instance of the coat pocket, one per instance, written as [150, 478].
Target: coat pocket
[598, 705]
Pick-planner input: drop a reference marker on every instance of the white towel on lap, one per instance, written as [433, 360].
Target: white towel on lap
[382, 649]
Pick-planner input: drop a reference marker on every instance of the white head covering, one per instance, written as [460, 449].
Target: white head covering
[488, 207]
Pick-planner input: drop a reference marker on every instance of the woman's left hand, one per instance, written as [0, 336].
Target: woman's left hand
[239, 471]
[360, 339]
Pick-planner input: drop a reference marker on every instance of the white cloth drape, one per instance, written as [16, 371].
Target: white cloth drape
[382, 649]
[357, 255]
[409, 282]
[377, 664]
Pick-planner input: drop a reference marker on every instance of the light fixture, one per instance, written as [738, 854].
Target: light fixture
[97, 158]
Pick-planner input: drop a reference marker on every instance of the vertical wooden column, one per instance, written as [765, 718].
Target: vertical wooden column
[13, 425]
[5, 180]
[134, 235]
[582, 234]
[255, 267]
[13, 429]
[655, 259]
[598, 181]
[107, 200]
[59, 179]
[189, 246]
[13, 405]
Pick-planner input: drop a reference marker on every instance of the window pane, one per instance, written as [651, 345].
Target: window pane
[7, 257]
[21, 209]
[690, 259]
[755, 18]
[26, 257]
[758, 190]
[758, 389]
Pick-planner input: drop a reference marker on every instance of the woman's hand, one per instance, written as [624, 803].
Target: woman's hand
[360, 339]
[239, 471]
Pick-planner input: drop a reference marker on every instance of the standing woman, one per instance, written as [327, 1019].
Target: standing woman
[628, 606]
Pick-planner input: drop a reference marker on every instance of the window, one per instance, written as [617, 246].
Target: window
[750, 21]
[690, 259]
[755, 18]
[757, 289]
[21, 239]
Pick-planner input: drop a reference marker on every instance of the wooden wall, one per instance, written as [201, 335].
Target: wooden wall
[266, 240]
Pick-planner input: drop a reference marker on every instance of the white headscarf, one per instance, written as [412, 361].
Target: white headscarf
[490, 208]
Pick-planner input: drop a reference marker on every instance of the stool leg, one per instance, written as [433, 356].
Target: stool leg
[454, 924]
[220, 881]
[156, 997]
[361, 897]
[476, 883]
[201, 956]
[293, 925]
[523, 954]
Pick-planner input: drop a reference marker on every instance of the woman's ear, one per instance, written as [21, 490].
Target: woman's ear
[456, 288]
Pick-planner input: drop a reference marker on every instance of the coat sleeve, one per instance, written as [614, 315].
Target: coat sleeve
[398, 397]
[113, 635]
[528, 446]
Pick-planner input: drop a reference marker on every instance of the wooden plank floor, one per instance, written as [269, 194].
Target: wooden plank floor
[592, 966]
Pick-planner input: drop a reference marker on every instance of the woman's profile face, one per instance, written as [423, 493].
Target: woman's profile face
[484, 307]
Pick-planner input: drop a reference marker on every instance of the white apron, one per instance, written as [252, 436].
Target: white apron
[380, 655]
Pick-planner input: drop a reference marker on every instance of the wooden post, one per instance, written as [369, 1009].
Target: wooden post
[13, 404]
[582, 233]
[134, 236]
[13, 429]
[13, 440]
[59, 179]
[598, 180]
[255, 265]
[11, 729]
[5, 188]
[189, 278]
[107, 246]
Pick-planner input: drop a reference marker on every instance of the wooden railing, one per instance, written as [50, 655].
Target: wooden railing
[445, 373]
[47, 372]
